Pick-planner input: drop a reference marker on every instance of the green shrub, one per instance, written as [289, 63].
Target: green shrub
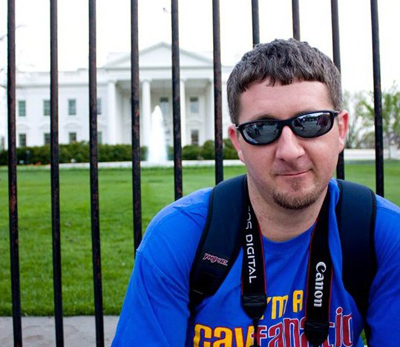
[33, 155]
[3, 157]
[208, 151]
[229, 150]
[65, 154]
[191, 152]
[115, 153]
[79, 152]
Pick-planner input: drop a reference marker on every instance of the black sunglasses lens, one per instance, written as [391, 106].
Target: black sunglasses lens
[262, 132]
[312, 125]
[308, 125]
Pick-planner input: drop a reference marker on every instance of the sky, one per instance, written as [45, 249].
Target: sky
[195, 24]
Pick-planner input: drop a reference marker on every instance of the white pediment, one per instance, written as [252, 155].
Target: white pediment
[159, 56]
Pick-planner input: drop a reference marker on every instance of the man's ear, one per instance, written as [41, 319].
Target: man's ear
[234, 136]
[343, 123]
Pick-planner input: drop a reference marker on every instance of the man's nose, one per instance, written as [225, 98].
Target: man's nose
[289, 146]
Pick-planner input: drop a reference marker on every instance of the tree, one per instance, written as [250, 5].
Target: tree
[390, 115]
[354, 104]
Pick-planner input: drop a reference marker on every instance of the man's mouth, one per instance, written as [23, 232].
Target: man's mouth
[293, 173]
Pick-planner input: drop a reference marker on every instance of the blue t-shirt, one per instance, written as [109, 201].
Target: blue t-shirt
[156, 313]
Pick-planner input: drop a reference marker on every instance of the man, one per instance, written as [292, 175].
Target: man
[289, 128]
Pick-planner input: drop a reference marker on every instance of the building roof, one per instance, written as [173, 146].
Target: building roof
[159, 56]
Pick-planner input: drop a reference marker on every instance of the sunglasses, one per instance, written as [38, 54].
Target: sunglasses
[307, 125]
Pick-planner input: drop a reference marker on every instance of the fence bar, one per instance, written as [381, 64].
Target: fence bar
[219, 168]
[336, 60]
[177, 100]
[137, 198]
[94, 184]
[296, 19]
[12, 178]
[55, 182]
[377, 99]
[256, 22]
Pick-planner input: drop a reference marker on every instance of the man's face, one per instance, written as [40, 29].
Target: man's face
[291, 172]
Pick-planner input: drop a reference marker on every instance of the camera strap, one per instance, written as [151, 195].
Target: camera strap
[320, 270]
[319, 282]
[254, 297]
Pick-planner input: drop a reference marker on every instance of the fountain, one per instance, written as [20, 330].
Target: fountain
[157, 144]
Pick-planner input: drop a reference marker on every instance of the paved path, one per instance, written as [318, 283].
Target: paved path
[40, 332]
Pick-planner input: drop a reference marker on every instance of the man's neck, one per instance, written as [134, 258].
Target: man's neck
[280, 224]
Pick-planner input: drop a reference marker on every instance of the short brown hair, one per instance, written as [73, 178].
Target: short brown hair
[282, 61]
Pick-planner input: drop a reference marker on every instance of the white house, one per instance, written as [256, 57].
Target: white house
[114, 105]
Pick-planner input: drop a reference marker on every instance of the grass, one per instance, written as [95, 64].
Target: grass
[35, 241]
[116, 219]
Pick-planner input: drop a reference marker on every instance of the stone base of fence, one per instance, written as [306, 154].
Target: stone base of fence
[40, 331]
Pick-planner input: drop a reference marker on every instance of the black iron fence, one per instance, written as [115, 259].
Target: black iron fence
[135, 118]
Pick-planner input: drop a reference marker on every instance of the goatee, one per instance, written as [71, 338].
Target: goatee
[297, 201]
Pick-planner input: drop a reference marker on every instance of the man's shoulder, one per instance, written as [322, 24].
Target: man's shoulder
[382, 203]
[387, 207]
[190, 206]
[387, 226]
[181, 221]
[386, 211]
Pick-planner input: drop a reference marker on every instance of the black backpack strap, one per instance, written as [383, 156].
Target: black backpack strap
[356, 212]
[220, 242]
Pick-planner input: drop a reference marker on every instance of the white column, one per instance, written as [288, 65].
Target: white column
[111, 113]
[183, 113]
[210, 112]
[226, 119]
[146, 112]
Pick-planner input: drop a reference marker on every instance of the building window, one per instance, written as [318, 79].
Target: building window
[164, 105]
[72, 107]
[72, 137]
[46, 107]
[21, 108]
[99, 106]
[194, 136]
[194, 105]
[47, 139]
[22, 140]
[99, 137]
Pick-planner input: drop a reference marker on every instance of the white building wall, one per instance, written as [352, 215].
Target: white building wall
[196, 121]
[113, 89]
[34, 124]
[78, 123]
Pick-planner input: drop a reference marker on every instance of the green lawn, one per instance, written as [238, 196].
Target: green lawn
[115, 224]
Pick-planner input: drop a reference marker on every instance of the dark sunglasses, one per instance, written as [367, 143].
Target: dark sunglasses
[307, 125]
